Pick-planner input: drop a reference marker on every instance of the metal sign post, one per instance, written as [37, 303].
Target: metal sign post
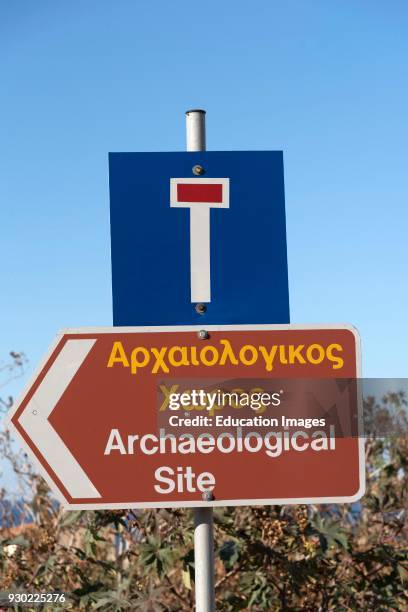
[203, 517]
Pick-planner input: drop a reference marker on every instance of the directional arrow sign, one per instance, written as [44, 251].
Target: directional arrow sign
[136, 417]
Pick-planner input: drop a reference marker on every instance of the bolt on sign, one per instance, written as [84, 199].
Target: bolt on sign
[135, 417]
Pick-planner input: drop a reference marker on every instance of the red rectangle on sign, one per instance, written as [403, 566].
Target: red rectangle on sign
[190, 192]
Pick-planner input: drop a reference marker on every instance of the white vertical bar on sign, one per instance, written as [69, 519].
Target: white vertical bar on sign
[200, 290]
[200, 253]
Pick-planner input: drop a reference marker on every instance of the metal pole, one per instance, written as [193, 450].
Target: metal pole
[203, 517]
[195, 130]
[204, 559]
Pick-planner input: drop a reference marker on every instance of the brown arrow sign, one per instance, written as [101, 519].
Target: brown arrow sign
[94, 419]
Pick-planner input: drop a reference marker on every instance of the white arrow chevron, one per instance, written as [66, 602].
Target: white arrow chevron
[34, 419]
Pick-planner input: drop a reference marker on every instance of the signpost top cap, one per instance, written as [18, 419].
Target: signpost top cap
[196, 110]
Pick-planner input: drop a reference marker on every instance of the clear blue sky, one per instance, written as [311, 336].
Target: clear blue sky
[324, 81]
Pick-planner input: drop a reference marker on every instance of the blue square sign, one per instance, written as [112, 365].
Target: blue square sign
[204, 228]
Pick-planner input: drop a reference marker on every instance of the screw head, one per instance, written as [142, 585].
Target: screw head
[207, 496]
[201, 308]
[198, 170]
[203, 334]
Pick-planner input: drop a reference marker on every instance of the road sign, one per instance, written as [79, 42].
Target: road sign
[108, 429]
[224, 248]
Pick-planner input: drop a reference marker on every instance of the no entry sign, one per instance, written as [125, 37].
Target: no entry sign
[111, 425]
